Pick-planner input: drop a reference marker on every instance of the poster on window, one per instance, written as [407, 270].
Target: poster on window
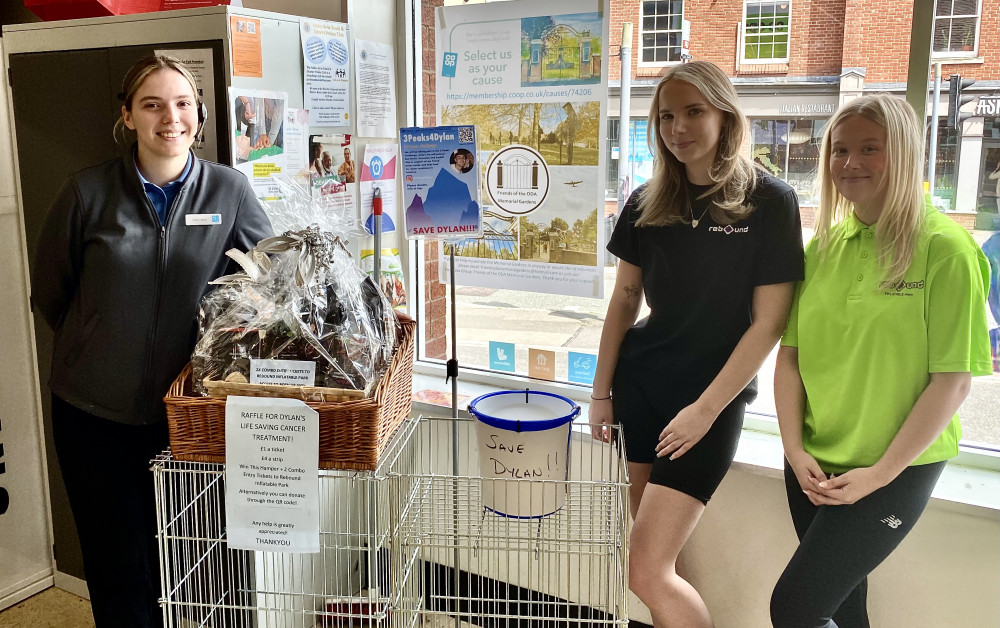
[532, 78]
[440, 183]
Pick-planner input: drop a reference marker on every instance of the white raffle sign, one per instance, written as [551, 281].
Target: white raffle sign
[272, 475]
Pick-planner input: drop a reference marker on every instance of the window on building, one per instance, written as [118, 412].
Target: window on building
[765, 31]
[660, 23]
[956, 25]
[789, 149]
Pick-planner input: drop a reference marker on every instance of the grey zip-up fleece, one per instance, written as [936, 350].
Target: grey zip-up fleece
[121, 291]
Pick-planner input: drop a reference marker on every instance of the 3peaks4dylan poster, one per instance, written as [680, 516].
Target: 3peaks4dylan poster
[441, 193]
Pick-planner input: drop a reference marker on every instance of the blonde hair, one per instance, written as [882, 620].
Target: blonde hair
[902, 213]
[663, 199]
[134, 79]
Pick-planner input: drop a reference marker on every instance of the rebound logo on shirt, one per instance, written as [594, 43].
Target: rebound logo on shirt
[901, 288]
[729, 229]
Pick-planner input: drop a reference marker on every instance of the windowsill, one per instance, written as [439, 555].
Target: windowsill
[656, 64]
[958, 60]
[963, 488]
[754, 66]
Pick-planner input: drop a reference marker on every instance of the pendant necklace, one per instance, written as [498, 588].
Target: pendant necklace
[695, 221]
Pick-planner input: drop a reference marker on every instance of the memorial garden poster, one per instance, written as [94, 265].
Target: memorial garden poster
[532, 78]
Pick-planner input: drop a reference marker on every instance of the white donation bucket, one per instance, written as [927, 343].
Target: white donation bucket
[523, 439]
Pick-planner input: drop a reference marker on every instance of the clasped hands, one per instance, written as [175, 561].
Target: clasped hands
[839, 490]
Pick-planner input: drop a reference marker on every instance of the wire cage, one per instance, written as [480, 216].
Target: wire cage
[480, 567]
[356, 579]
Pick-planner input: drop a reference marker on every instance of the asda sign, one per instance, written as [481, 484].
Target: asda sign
[988, 106]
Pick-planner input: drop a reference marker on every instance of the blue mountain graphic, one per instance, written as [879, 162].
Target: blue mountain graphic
[448, 202]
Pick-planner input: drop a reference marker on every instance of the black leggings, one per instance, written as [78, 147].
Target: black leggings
[825, 585]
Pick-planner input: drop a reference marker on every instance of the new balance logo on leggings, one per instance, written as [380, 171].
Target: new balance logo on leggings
[892, 521]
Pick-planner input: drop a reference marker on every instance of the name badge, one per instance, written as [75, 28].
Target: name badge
[202, 219]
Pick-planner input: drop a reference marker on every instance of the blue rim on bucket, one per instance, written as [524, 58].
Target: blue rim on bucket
[519, 425]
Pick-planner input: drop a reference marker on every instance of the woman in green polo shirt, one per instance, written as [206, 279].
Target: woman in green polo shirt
[884, 336]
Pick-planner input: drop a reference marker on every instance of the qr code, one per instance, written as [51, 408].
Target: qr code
[466, 134]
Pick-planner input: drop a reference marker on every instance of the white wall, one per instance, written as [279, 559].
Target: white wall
[25, 537]
[945, 574]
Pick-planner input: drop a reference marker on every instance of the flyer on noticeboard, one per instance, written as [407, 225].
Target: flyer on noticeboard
[259, 137]
[378, 171]
[530, 77]
[441, 193]
[326, 72]
[333, 176]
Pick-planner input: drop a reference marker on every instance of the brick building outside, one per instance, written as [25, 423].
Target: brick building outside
[794, 62]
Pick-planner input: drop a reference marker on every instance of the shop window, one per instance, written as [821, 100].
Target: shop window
[660, 26]
[789, 149]
[765, 32]
[988, 201]
[640, 160]
[500, 331]
[611, 175]
[945, 165]
[956, 27]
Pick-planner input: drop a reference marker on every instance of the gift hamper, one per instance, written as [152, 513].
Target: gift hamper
[302, 298]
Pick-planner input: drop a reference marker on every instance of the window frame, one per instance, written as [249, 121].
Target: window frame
[642, 31]
[958, 54]
[743, 36]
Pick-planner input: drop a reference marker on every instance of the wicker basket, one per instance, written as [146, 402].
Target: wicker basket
[352, 433]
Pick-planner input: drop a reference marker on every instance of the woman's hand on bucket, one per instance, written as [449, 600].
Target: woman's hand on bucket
[601, 417]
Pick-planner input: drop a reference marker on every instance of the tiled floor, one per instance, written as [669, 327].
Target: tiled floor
[52, 608]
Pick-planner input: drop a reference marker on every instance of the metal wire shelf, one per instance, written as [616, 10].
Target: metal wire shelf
[409, 544]
[355, 579]
[483, 568]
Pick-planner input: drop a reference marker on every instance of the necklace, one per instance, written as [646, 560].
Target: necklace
[695, 221]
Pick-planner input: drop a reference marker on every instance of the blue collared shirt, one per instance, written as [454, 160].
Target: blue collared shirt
[163, 198]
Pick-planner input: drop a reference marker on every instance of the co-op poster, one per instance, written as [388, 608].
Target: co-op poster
[532, 78]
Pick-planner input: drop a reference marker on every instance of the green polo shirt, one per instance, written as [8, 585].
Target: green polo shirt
[867, 346]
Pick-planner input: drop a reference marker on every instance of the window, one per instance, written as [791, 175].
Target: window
[515, 322]
[660, 23]
[765, 32]
[789, 149]
[640, 160]
[945, 164]
[956, 25]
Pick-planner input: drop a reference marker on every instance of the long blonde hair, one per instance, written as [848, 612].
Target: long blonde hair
[663, 200]
[134, 79]
[902, 213]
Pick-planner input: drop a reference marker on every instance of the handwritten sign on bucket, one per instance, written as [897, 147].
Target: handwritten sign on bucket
[511, 456]
[523, 442]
